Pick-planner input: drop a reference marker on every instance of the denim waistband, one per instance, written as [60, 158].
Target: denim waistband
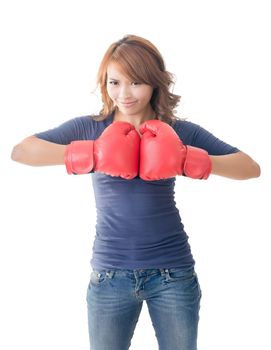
[144, 272]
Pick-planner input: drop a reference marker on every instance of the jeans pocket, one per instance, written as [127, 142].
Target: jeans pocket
[181, 274]
[185, 280]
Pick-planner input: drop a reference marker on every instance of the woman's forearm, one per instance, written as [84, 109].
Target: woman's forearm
[237, 166]
[36, 152]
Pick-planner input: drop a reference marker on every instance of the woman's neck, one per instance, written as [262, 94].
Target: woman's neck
[135, 120]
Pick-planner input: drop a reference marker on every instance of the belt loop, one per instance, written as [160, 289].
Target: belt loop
[162, 271]
[110, 274]
[165, 273]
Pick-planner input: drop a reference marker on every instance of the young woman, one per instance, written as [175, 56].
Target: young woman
[134, 150]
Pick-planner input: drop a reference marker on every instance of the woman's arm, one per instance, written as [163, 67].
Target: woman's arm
[36, 152]
[238, 166]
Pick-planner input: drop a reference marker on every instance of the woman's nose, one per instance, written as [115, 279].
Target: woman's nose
[124, 92]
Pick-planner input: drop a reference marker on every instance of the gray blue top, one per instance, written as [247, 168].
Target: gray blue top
[138, 225]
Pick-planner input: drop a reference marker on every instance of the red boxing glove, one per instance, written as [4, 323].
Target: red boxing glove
[115, 153]
[163, 155]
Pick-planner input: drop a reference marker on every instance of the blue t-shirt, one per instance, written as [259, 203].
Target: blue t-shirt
[138, 225]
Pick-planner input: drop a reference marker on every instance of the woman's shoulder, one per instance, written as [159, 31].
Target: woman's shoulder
[185, 126]
[85, 127]
[93, 119]
[94, 122]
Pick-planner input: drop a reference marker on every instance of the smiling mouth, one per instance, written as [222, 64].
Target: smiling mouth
[127, 104]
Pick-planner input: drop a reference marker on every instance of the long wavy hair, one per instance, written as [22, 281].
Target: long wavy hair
[141, 61]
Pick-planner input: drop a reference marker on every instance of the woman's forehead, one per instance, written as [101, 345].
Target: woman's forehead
[116, 71]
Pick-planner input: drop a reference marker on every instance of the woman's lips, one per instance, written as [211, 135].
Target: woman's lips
[128, 104]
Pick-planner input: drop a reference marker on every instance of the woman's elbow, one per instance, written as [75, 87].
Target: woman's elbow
[248, 168]
[23, 152]
[256, 170]
[250, 171]
[16, 153]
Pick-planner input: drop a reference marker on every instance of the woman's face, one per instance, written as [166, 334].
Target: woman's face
[131, 97]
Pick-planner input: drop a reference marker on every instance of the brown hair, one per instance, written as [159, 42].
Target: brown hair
[142, 62]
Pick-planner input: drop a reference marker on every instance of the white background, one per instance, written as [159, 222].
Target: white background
[50, 52]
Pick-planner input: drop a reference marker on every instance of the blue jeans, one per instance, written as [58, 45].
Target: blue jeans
[115, 298]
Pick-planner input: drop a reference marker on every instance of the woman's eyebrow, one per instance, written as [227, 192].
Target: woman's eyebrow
[118, 80]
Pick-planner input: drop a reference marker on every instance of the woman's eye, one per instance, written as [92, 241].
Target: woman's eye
[113, 82]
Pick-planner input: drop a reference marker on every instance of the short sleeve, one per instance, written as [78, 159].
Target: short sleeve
[80, 128]
[194, 135]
